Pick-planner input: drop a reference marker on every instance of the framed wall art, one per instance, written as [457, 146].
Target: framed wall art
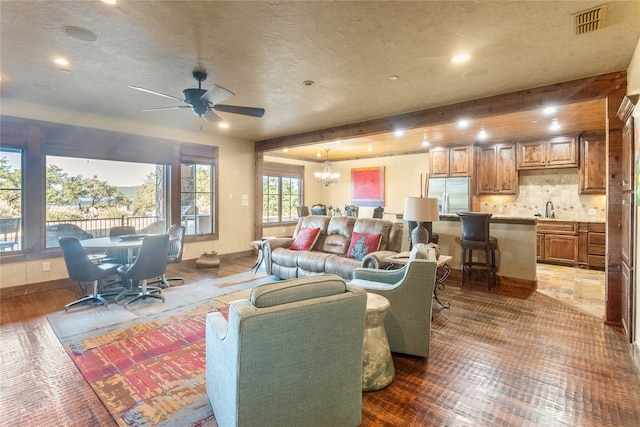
[367, 186]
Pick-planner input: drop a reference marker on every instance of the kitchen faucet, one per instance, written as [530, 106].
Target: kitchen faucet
[548, 210]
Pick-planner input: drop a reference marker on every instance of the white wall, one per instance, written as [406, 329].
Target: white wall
[236, 178]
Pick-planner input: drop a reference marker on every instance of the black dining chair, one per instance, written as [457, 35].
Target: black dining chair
[176, 247]
[82, 270]
[150, 263]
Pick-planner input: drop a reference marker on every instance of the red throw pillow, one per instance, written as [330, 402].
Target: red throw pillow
[305, 239]
[363, 244]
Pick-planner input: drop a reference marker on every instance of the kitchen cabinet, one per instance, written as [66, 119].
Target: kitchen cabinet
[593, 155]
[496, 171]
[559, 240]
[558, 152]
[596, 245]
[571, 243]
[445, 162]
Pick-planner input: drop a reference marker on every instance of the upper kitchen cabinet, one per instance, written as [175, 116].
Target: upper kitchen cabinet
[496, 169]
[447, 162]
[558, 152]
[593, 156]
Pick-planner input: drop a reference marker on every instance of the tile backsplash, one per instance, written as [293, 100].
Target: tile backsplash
[537, 187]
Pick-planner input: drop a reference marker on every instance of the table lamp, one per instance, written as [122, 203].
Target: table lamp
[420, 209]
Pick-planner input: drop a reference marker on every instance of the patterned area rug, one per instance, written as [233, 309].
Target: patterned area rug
[147, 362]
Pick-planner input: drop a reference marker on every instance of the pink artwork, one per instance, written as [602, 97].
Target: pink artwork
[367, 186]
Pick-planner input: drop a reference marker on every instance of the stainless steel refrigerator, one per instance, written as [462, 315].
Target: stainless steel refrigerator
[453, 194]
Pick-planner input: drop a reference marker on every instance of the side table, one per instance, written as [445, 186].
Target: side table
[258, 245]
[377, 365]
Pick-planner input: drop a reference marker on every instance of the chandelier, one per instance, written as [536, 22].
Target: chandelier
[326, 176]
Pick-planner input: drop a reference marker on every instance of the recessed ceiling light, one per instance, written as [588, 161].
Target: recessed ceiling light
[111, 2]
[482, 135]
[319, 154]
[369, 148]
[223, 125]
[308, 82]
[459, 59]
[399, 133]
[547, 111]
[394, 78]
[463, 123]
[61, 61]
[286, 150]
[81, 34]
[555, 125]
[476, 72]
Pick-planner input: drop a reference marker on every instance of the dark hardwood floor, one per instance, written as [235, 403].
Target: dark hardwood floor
[499, 358]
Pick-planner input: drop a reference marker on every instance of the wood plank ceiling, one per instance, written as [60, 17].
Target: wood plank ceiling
[519, 126]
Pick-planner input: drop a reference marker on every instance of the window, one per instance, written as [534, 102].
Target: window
[10, 199]
[68, 180]
[86, 197]
[196, 196]
[281, 192]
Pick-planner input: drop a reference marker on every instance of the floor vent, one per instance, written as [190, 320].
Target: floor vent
[589, 20]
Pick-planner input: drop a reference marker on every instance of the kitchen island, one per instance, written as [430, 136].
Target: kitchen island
[516, 254]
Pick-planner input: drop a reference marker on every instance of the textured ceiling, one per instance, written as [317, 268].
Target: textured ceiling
[263, 51]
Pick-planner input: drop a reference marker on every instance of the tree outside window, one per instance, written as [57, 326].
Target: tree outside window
[197, 198]
[10, 199]
[281, 192]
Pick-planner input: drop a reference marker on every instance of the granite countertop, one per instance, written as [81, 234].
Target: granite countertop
[521, 219]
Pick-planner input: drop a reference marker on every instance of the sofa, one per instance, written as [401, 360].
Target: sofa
[333, 252]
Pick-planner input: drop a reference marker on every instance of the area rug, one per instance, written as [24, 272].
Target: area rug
[147, 362]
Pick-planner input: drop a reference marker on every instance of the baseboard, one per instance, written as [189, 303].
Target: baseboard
[531, 285]
[32, 288]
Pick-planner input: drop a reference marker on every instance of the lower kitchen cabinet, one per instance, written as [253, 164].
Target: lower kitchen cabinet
[571, 243]
[559, 248]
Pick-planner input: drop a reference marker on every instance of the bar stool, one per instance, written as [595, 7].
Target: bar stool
[475, 236]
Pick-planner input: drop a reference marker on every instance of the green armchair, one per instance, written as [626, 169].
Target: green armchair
[410, 292]
[290, 355]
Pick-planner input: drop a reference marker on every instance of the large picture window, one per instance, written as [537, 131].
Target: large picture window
[281, 192]
[87, 197]
[61, 180]
[10, 199]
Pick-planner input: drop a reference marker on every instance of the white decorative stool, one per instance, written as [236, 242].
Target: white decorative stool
[377, 365]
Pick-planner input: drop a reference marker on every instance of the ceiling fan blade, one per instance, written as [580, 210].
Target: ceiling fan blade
[157, 93]
[167, 108]
[217, 94]
[247, 111]
[212, 117]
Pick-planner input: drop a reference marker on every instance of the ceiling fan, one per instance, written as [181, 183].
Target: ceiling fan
[205, 103]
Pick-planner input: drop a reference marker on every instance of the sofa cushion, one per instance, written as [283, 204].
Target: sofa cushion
[363, 244]
[312, 261]
[341, 266]
[373, 226]
[293, 290]
[305, 239]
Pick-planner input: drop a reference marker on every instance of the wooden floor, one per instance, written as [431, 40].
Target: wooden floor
[498, 358]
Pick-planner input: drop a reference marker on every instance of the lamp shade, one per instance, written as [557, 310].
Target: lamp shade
[421, 209]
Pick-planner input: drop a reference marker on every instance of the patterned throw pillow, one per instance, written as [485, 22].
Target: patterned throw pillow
[305, 239]
[363, 244]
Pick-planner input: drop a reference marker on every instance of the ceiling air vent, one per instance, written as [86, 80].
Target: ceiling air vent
[589, 20]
